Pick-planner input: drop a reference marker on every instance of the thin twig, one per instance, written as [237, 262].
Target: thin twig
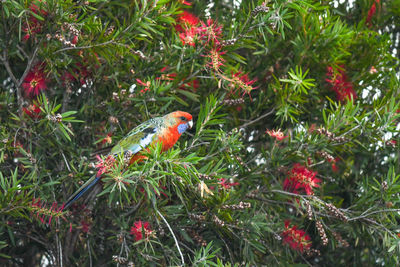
[84, 47]
[58, 241]
[349, 131]
[292, 194]
[259, 118]
[6, 64]
[134, 209]
[90, 253]
[23, 51]
[227, 248]
[373, 212]
[60, 253]
[381, 225]
[28, 67]
[173, 235]
[66, 162]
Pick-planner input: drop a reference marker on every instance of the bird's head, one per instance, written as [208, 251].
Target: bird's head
[180, 119]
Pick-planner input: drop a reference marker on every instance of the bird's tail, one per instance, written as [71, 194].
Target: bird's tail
[82, 190]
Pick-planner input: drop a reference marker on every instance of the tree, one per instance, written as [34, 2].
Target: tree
[294, 156]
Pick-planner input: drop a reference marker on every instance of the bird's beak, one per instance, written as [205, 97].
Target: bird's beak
[190, 123]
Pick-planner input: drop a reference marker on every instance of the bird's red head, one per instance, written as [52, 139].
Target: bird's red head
[180, 119]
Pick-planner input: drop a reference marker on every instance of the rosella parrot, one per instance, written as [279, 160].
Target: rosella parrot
[165, 130]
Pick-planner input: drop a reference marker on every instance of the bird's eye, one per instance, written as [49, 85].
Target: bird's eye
[183, 118]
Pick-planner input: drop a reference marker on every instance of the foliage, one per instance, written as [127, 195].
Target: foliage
[294, 158]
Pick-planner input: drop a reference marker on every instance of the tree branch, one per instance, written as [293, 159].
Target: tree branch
[173, 235]
[373, 212]
[84, 47]
[256, 120]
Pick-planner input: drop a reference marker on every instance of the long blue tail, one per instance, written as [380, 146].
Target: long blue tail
[82, 190]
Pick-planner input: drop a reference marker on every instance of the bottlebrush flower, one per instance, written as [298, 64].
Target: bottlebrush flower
[107, 139]
[391, 143]
[193, 84]
[210, 31]
[297, 239]
[340, 84]
[185, 2]
[67, 77]
[372, 70]
[225, 184]
[39, 207]
[216, 59]
[188, 36]
[371, 12]
[301, 178]
[334, 166]
[35, 81]
[277, 134]
[83, 73]
[242, 82]
[38, 9]
[32, 111]
[104, 165]
[138, 228]
[146, 84]
[85, 226]
[166, 77]
[32, 25]
[188, 19]
[74, 40]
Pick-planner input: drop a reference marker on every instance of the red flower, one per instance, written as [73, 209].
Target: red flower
[188, 19]
[171, 76]
[371, 12]
[188, 36]
[242, 82]
[391, 143]
[277, 134]
[185, 2]
[35, 81]
[166, 77]
[104, 165]
[216, 59]
[147, 85]
[372, 70]
[192, 84]
[138, 228]
[67, 77]
[74, 40]
[297, 239]
[42, 211]
[32, 111]
[85, 226]
[225, 184]
[334, 166]
[35, 9]
[82, 72]
[107, 139]
[299, 177]
[210, 31]
[33, 25]
[340, 84]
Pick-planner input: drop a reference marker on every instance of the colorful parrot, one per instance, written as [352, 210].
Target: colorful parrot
[166, 130]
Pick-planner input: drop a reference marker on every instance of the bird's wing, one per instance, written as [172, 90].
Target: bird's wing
[138, 138]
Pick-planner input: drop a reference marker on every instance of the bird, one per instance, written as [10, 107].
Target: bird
[165, 130]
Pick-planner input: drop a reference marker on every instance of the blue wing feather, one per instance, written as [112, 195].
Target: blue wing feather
[82, 190]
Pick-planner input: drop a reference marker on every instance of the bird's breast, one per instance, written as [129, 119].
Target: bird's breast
[169, 137]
